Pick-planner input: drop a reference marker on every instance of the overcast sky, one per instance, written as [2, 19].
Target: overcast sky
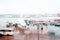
[29, 6]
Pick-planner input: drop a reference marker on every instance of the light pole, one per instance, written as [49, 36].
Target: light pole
[38, 30]
[38, 26]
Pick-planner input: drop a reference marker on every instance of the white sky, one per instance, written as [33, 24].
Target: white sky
[29, 6]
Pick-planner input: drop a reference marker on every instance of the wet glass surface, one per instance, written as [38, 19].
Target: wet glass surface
[34, 36]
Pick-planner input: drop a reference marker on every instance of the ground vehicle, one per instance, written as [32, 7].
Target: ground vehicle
[6, 31]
